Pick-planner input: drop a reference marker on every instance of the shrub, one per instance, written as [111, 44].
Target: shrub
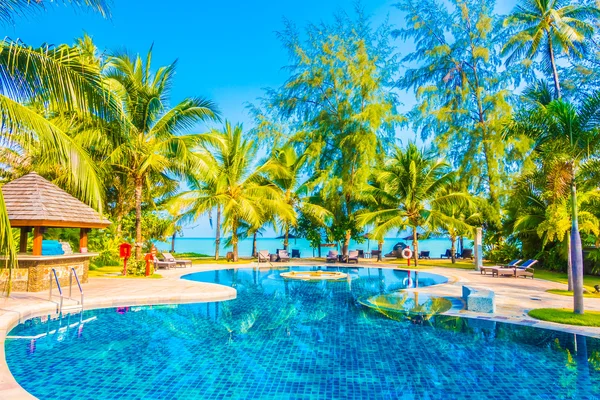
[503, 252]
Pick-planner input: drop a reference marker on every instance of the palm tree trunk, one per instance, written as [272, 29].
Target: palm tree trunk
[254, 244]
[416, 247]
[173, 242]
[138, 217]
[453, 249]
[346, 242]
[218, 233]
[380, 249]
[286, 239]
[576, 254]
[234, 240]
[569, 266]
[554, 70]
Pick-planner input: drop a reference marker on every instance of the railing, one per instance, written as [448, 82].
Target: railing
[60, 304]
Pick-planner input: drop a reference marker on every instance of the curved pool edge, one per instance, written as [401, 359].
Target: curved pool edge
[14, 315]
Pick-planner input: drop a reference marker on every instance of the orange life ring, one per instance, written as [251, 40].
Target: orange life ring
[407, 253]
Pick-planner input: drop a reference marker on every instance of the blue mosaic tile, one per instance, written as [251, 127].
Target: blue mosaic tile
[298, 341]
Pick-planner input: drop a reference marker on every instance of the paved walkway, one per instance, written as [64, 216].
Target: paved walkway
[514, 297]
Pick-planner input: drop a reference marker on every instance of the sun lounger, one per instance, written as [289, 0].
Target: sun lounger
[466, 253]
[512, 264]
[424, 254]
[263, 256]
[525, 269]
[332, 256]
[164, 264]
[283, 255]
[375, 253]
[184, 263]
[352, 256]
[448, 254]
[295, 253]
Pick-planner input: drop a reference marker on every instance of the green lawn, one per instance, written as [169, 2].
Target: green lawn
[565, 316]
[113, 270]
[589, 281]
[567, 293]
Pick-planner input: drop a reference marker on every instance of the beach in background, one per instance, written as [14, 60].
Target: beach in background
[436, 246]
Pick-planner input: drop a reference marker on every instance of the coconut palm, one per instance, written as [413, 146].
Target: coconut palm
[236, 185]
[57, 78]
[151, 133]
[285, 170]
[568, 136]
[550, 27]
[419, 186]
[17, 8]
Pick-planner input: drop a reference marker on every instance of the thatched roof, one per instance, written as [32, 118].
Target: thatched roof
[34, 201]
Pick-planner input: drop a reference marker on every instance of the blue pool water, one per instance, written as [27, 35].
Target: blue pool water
[297, 340]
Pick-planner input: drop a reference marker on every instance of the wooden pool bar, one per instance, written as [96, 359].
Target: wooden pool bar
[33, 205]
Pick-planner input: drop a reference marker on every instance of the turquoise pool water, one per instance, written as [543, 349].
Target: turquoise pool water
[297, 340]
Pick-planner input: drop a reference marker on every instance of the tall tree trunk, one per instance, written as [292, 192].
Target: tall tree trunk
[379, 249]
[173, 242]
[254, 244]
[138, 217]
[218, 233]
[453, 249]
[569, 266]
[553, 64]
[346, 242]
[286, 238]
[576, 253]
[416, 247]
[234, 240]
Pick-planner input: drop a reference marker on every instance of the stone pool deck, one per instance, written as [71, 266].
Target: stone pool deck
[514, 297]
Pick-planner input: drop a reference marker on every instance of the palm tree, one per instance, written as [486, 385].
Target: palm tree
[152, 140]
[568, 136]
[285, 170]
[236, 185]
[455, 219]
[15, 8]
[57, 78]
[550, 27]
[419, 185]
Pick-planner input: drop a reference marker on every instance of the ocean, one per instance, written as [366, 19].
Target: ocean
[436, 246]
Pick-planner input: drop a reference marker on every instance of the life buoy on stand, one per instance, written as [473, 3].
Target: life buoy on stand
[407, 254]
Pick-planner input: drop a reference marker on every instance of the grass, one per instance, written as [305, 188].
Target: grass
[567, 293]
[589, 281]
[565, 316]
[110, 271]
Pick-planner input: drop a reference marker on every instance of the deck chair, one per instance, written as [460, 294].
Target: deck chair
[263, 256]
[283, 255]
[179, 263]
[466, 253]
[332, 256]
[163, 264]
[525, 269]
[352, 256]
[424, 254]
[512, 264]
[448, 254]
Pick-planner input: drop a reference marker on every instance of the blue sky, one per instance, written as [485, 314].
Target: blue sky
[226, 51]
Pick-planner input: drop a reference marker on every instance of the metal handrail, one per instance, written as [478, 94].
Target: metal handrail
[73, 272]
[59, 289]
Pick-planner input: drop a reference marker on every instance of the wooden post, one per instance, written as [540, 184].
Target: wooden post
[37, 241]
[83, 240]
[23, 240]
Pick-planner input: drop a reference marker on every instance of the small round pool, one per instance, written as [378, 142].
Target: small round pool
[285, 339]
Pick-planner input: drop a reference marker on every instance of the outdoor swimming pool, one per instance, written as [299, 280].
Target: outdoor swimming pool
[297, 340]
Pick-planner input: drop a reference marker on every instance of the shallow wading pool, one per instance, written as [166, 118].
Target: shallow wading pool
[293, 339]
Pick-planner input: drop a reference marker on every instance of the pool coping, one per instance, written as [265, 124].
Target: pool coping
[11, 390]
